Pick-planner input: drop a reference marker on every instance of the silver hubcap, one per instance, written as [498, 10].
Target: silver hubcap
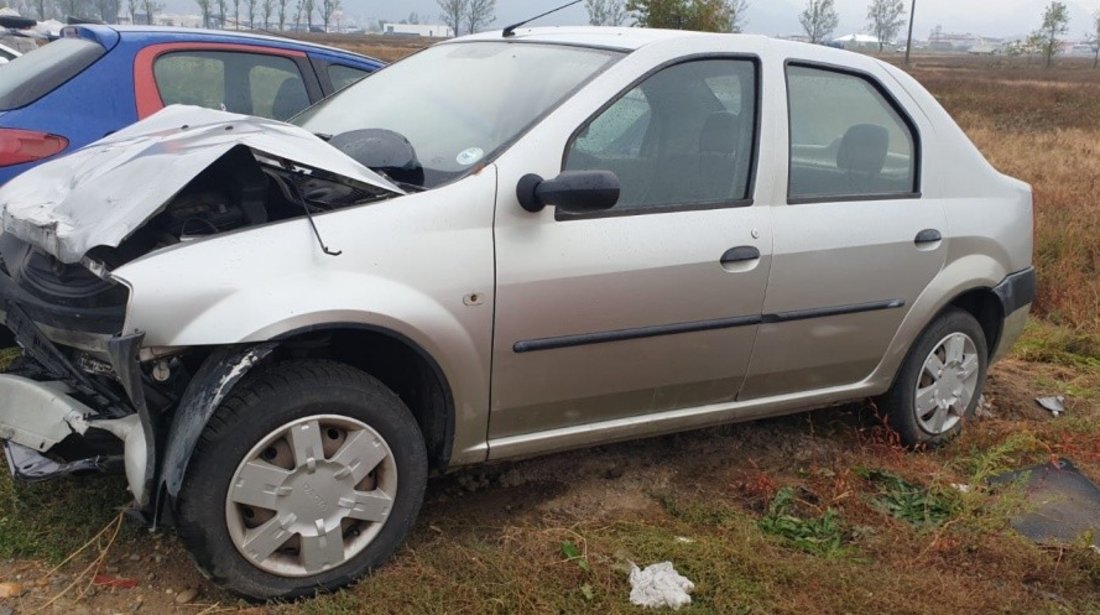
[947, 383]
[311, 495]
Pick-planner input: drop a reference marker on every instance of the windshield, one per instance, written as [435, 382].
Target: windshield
[37, 73]
[459, 104]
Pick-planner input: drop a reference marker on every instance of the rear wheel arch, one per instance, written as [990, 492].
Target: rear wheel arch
[978, 300]
[984, 305]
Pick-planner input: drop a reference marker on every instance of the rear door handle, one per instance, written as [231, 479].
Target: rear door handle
[740, 254]
[928, 235]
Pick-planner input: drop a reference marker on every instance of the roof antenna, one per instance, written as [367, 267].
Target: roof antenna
[511, 30]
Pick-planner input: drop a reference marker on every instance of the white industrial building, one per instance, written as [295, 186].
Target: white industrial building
[417, 29]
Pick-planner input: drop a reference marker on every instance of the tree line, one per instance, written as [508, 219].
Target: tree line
[819, 18]
[260, 14]
[467, 16]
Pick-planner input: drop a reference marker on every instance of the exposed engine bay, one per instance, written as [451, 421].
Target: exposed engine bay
[182, 174]
[242, 189]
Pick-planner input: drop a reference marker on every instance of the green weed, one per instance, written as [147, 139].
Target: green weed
[7, 355]
[916, 505]
[822, 536]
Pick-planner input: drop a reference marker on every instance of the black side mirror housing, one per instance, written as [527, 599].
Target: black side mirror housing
[574, 192]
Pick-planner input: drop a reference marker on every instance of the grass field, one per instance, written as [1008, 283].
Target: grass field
[818, 513]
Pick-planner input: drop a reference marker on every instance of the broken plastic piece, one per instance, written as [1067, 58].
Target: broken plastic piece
[1054, 405]
[659, 585]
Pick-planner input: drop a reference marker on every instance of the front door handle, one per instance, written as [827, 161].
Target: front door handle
[928, 235]
[740, 254]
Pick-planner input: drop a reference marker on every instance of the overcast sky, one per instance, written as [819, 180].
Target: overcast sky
[989, 17]
[772, 17]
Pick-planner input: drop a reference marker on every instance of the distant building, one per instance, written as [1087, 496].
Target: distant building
[798, 38]
[415, 29]
[954, 41]
[857, 41]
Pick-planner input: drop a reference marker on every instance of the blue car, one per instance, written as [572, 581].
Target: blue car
[97, 79]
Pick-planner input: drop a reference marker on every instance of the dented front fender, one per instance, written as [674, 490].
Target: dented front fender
[221, 371]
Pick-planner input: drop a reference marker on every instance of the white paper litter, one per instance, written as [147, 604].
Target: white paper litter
[659, 585]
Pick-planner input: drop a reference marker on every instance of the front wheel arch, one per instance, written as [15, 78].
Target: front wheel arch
[395, 360]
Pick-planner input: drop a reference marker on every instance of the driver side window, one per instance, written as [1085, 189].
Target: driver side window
[682, 139]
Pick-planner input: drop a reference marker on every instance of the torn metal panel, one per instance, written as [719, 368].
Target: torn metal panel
[27, 464]
[99, 195]
[38, 415]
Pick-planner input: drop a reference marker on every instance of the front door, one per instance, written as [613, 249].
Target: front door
[654, 304]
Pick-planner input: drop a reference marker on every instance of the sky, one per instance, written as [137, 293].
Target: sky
[988, 17]
[772, 17]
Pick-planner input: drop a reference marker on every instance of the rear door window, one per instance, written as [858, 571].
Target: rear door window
[847, 139]
[343, 76]
[37, 73]
[246, 83]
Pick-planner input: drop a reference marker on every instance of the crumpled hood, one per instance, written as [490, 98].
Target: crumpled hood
[99, 195]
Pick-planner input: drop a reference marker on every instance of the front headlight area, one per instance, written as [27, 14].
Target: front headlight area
[82, 396]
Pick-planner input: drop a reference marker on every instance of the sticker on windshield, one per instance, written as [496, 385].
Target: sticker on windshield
[469, 156]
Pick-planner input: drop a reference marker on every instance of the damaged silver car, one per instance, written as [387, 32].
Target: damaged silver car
[506, 245]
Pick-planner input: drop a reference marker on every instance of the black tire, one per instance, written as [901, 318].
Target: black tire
[899, 403]
[262, 403]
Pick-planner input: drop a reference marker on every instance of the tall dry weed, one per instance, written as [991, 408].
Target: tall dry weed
[1044, 128]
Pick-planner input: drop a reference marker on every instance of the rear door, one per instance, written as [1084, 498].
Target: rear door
[266, 82]
[856, 242]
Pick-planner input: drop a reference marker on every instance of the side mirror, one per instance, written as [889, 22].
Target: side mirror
[575, 192]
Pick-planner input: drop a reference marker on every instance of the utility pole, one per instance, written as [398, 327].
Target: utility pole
[909, 44]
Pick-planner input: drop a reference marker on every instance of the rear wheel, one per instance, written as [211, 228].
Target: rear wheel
[310, 475]
[938, 387]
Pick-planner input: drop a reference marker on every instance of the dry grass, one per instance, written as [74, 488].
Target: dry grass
[387, 48]
[1044, 127]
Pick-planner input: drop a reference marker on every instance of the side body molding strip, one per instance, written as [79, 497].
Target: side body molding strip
[618, 335]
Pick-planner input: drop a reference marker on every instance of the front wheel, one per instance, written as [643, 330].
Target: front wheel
[310, 475]
[937, 389]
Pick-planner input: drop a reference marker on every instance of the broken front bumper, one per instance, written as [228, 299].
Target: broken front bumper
[53, 399]
[37, 416]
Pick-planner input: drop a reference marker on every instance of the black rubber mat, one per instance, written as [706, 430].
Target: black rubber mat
[1062, 504]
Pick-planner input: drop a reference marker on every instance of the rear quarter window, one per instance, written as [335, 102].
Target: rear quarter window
[30, 77]
[343, 76]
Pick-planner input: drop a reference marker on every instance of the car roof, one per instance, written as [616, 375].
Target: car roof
[633, 39]
[177, 33]
[626, 39]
